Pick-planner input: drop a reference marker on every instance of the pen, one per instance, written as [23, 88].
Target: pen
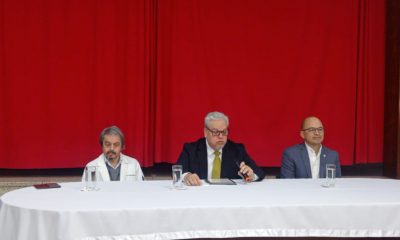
[246, 177]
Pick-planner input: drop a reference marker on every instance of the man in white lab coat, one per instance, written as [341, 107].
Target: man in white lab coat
[112, 165]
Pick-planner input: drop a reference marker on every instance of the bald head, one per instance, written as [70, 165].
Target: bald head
[309, 120]
[312, 131]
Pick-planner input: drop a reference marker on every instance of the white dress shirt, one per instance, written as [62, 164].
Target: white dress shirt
[210, 159]
[314, 161]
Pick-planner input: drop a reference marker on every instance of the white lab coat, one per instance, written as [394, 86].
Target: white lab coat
[130, 169]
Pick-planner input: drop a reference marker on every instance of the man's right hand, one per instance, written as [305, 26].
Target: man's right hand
[192, 179]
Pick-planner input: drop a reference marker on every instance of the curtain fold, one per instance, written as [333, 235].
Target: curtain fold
[370, 83]
[268, 65]
[69, 68]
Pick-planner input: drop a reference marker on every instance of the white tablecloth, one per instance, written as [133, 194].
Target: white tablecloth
[152, 210]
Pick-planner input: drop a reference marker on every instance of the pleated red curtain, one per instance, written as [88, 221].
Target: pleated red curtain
[269, 64]
[69, 68]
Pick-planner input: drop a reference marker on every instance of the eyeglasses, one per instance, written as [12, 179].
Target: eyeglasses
[216, 133]
[314, 130]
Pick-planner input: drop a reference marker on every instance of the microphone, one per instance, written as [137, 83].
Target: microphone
[245, 177]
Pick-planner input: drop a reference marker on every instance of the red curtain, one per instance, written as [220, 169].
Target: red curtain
[69, 68]
[368, 139]
[269, 64]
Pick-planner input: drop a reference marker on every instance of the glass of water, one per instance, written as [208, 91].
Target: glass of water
[90, 178]
[330, 175]
[177, 177]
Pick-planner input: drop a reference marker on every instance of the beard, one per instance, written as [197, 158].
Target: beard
[111, 155]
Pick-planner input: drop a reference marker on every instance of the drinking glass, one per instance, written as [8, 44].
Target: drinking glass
[330, 175]
[90, 178]
[177, 176]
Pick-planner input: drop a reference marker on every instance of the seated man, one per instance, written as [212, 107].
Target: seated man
[214, 156]
[112, 165]
[308, 159]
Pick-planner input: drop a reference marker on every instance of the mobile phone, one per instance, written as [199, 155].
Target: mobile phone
[46, 185]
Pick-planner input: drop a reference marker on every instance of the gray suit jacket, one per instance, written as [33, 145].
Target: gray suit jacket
[296, 163]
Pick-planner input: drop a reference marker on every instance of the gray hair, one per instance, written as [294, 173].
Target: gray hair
[113, 130]
[215, 116]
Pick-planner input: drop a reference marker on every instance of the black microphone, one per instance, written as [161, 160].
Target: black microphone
[245, 177]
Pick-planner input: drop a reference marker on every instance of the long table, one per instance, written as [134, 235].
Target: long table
[153, 210]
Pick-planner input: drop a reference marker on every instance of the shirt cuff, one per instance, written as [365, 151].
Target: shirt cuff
[255, 178]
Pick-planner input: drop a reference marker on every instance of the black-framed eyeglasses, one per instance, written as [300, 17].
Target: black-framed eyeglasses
[216, 133]
[314, 130]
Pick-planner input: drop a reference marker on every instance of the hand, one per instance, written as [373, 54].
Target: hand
[192, 179]
[246, 171]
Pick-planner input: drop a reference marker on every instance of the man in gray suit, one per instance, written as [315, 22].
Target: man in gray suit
[308, 159]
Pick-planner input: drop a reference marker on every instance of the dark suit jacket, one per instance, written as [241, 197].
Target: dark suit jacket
[193, 158]
[296, 163]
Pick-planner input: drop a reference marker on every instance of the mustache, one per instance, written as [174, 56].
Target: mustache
[111, 155]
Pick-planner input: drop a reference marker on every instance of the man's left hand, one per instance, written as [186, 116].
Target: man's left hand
[246, 170]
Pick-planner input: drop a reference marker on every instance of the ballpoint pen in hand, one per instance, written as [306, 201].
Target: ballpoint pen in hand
[245, 177]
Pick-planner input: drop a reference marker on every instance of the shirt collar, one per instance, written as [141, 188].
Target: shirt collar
[311, 150]
[109, 164]
[210, 150]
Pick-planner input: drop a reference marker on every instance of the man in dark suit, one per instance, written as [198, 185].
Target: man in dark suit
[214, 156]
[308, 159]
